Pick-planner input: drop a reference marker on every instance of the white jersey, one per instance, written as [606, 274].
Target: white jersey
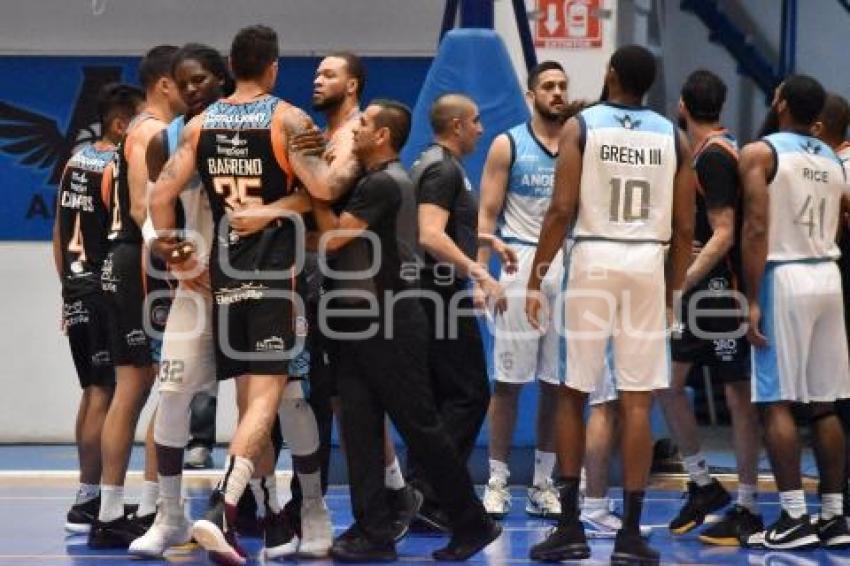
[630, 158]
[197, 214]
[805, 199]
[843, 152]
[529, 189]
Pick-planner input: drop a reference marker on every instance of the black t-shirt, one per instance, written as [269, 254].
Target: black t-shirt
[377, 199]
[717, 175]
[441, 180]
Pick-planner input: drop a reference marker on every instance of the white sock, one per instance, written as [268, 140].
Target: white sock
[311, 484]
[499, 471]
[169, 493]
[265, 492]
[697, 469]
[582, 481]
[794, 502]
[393, 478]
[86, 492]
[237, 474]
[595, 504]
[831, 505]
[111, 502]
[147, 504]
[747, 497]
[544, 464]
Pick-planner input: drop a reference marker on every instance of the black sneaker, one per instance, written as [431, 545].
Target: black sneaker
[144, 522]
[116, 534]
[81, 516]
[463, 547]
[735, 529]
[404, 504]
[833, 533]
[632, 550]
[354, 546]
[701, 501]
[565, 542]
[430, 520]
[791, 534]
[279, 537]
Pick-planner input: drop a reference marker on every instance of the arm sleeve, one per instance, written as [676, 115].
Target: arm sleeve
[717, 172]
[439, 185]
[374, 198]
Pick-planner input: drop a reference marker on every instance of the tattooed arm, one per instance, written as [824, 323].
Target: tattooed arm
[178, 171]
[322, 181]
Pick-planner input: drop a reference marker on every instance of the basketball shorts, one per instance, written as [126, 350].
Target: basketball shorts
[802, 316]
[520, 353]
[188, 348]
[714, 334]
[614, 293]
[123, 289]
[86, 323]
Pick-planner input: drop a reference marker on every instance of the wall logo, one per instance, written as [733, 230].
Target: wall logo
[36, 140]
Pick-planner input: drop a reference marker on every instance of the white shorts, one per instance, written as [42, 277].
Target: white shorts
[606, 390]
[615, 292]
[520, 353]
[188, 349]
[803, 319]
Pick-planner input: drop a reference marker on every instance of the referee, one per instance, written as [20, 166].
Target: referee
[382, 337]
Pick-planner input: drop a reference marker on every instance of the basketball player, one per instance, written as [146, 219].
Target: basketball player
[188, 364]
[623, 176]
[238, 147]
[715, 340]
[516, 187]
[831, 128]
[123, 287]
[79, 248]
[793, 184]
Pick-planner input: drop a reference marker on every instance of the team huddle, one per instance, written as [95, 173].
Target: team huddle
[214, 233]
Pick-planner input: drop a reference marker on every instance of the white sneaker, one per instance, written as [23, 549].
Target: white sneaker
[543, 501]
[497, 499]
[163, 534]
[316, 529]
[604, 523]
[199, 458]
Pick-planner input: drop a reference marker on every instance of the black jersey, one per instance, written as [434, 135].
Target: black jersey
[83, 218]
[122, 226]
[241, 160]
[718, 186]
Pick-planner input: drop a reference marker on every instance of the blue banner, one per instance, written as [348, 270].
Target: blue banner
[47, 109]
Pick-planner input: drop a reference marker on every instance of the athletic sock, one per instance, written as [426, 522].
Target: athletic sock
[568, 495]
[595, 504]
[697, 469]
[793, 502]
[86, 492]
[169, 493]
[544, 464]
[265, 492]
[393, 478]
[747, 497]
[150, 494]
[831, 505]
[111, 503]
[499, 471]
[632, 509]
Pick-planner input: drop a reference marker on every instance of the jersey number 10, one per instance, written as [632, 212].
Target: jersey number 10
[629, 200]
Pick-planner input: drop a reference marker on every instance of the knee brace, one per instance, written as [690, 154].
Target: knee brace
[171, 427]
[298, 424]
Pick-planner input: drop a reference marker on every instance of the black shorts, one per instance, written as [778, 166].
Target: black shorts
[122, 280]
[86, 322]
[713, 339]
[259, 328]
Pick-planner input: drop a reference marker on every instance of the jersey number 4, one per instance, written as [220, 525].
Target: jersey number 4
[811, 218]
[75, 244]
[629, 200]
